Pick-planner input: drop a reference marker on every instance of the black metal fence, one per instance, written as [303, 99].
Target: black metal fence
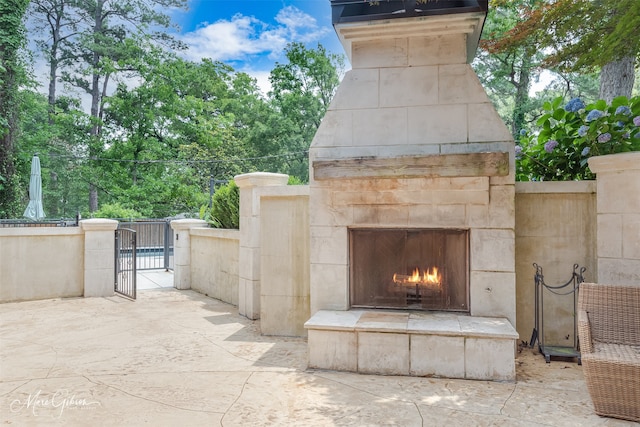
[13, 223]
[154, 238]
[154, 243]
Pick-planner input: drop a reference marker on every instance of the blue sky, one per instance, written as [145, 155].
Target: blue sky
[251, 35]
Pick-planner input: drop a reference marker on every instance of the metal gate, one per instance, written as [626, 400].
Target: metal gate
[125, 262]
[154, 247]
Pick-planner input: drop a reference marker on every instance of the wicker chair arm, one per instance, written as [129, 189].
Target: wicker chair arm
[584, 332]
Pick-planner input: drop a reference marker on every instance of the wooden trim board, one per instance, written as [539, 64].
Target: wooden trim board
[438, 165]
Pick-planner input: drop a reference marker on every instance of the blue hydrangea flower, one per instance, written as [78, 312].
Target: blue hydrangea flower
[582, 131]
[626, 135]
[594, 115]
[550, 145]
[523, 132]
[636, 120]
[518, 151]
[605, 137]
[574, 105]
[623, 109]
[585, 151]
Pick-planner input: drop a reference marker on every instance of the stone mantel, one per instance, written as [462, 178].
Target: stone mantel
[441, 165]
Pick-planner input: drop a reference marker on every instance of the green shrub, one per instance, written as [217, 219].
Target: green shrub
[115, 210]
[294, 180]
[225, 208]
[566, 136]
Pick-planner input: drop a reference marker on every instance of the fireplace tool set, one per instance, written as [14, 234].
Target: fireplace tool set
[570, 288]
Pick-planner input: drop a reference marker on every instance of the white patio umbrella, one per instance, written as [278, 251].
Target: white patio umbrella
[34, 210]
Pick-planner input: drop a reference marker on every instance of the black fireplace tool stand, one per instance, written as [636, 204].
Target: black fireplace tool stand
[569, 288]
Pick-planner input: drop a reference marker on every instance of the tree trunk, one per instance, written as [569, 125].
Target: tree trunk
[93, 198]
[522, 94]
[8, 193]
[616, 79]
[11, 39]
[95, 104]
[53, 68]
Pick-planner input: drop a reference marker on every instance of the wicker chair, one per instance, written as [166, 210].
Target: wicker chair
[609, 331]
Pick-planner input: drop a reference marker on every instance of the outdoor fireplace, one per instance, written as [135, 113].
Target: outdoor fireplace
[417, 269]
[412, 201]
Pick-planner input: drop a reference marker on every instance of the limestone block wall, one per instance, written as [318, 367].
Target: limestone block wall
[401, 99]
[618, 178]
[412, 95]
[284, 260]
[555, 228]
[474, 203]
[214, 263]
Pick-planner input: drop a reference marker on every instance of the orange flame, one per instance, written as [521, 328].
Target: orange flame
[429, 277]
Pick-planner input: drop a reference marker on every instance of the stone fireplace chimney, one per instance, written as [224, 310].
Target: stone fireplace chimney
[412, 142]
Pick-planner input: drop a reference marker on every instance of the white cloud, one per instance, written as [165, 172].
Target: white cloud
[262, 78]
[301, 26]
[242, 36]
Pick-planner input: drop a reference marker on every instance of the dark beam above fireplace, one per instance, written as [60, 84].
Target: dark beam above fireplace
[441, 165]
[369, 10]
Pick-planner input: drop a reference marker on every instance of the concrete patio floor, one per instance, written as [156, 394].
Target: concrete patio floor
[179, 358]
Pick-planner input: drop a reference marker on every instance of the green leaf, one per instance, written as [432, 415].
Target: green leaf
[601, 105]
[557, 102]
[559, 114]
[618, 101]
[544, 119]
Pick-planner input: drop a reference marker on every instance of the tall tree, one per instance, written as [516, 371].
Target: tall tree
[302, 90]
[115, 36]
[12, 39]
[59, 23]
[58, 145]
[583, 36]
[184, 124]
[507, 73]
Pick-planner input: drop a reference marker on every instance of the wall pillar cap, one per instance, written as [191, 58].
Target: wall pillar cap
[188, 223]
[615, 162]
[99, 224]
[260, 179]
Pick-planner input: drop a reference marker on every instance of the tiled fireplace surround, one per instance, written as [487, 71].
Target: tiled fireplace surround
[412, 141]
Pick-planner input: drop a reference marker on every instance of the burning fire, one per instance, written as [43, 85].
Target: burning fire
[429, 278]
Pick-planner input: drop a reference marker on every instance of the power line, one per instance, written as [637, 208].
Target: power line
[176, 161]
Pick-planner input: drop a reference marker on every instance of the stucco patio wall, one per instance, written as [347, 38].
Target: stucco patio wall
[284, 260]
[57, 262]
[214, 263]
[555, 228]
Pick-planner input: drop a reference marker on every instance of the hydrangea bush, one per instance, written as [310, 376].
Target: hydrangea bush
[567, 135]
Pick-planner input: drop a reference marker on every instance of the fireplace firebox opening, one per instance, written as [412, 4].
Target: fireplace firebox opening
[414, 269]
